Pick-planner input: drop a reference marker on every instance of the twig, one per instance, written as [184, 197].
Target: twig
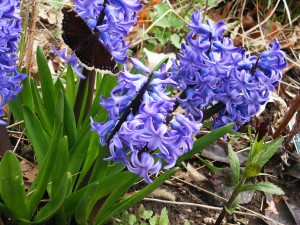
[287, 84]
[31, 35]
[196, 205]
[243, 36]
[217, 196]
[17, 123]
[288, 116]
[260, 29]
[265, 20]
[19, 139]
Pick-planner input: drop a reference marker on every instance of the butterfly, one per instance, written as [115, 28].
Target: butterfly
[91, 52]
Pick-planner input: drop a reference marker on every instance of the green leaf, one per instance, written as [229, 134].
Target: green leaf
[69, 122]
[129, 202]
[268, 150]
[117, 192]
[12, 187]
[234, 165]
[70, 85]
[186, 222]
[154, 221]
[61, 166]
[263, 186]
[164, 219]
[163, 36]
[56, 4]
[260, 153]
[40, 108]
[252, 170]
[41, 181]
[91, 155]
[81, 211]
[46, 83]
[210, 166]
[78, 152]
[101, 165]
[147, 214]
[86, 197]
[169, 20]
[206, 140]
[175, 40]
[27, 94]
[36, 135]
[105, 186]
[55, 203]
[132, 219]
[59, 109]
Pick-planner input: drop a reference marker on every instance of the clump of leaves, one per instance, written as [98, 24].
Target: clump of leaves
[143, 217]
[260, 153]
[169, 23]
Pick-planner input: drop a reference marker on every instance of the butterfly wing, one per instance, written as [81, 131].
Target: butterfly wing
[84, 42]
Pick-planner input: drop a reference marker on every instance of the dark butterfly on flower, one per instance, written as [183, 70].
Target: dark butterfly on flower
[85, 43]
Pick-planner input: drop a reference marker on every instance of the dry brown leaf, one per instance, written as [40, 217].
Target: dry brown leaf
[272, 207]
[248, 21]
[195, 174]
[220, 13]
[29, 172]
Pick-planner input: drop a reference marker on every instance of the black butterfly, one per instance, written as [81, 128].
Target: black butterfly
[84, 42]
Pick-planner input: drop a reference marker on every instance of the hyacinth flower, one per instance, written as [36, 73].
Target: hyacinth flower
[212, 72]
[10, 31]
[143, 132]
[113, 19]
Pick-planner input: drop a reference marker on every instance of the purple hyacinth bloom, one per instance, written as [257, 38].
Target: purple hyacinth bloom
[143, 165]
[88, 9]
[10, 31]
[139, 65]
[71, 60]
[151, 132]
[211, 70]
[273, 59]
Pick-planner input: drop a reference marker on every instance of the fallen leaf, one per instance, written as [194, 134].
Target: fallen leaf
[294, 171]
[29, 172]
[283, 213]
[195, 174]
[295, 211]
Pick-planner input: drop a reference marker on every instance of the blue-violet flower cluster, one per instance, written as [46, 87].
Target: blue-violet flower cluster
[119, 17]
[10, 30]
[211, 70]
[150, 132]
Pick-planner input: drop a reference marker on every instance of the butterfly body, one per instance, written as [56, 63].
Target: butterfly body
[85, 43]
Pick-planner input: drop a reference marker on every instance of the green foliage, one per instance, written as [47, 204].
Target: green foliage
[11, 181]
[143, 217]
[72, 172]
[169, 28]
[166, 21]
[263, 186]
[234, 165]
[260, 153]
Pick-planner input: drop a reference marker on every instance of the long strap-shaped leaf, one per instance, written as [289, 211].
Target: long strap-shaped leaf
[131, 201]
[41, 181]
[46, 83]
[12, 186]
